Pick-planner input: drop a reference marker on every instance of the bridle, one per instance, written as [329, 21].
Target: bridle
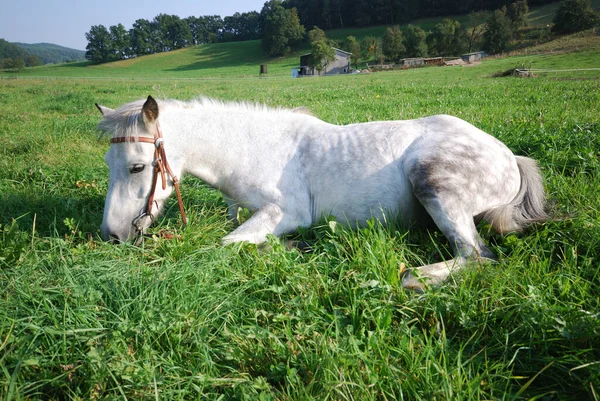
[162, 167]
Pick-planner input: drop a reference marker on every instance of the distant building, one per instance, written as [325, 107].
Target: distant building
[472, 57]
[412, 62]
[341, 65]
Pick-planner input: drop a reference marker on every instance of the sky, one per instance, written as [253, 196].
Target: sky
[65, 22]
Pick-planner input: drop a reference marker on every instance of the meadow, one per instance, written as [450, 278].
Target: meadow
[189, 319]
[242, 59]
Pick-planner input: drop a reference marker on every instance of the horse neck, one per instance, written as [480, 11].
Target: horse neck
[210, 142]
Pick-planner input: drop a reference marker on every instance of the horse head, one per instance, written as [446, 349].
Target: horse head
[134, 159]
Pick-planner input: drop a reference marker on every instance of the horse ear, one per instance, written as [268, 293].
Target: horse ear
[103, 110]
[150, 110]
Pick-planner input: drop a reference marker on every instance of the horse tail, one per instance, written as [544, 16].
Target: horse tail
[529, 206]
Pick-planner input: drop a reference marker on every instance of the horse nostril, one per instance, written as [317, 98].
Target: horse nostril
[113, 239]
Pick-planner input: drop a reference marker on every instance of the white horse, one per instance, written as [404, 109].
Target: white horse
[291, 169]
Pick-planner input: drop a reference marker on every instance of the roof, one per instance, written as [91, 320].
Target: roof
[334, 48]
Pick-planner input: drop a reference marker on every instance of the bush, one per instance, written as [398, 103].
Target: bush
[574, 16]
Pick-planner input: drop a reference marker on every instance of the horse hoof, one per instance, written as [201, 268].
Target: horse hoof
[410, 282]
[301, 246]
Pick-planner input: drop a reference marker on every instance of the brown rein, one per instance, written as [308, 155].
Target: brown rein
[161, 166]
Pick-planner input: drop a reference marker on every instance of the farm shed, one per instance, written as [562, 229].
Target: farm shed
[473, 57]
[412, 62]
[434, 61]
[341, 64]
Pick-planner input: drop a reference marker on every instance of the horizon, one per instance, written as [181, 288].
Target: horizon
[65, 24]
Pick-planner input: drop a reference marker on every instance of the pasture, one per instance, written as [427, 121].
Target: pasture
[189, 319]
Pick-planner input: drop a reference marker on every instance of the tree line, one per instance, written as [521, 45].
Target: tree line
[168, 32]
[330, 14]
[281, 25]
[487, 30]
[492, 31]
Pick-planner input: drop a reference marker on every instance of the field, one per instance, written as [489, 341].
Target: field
[242, 59]
[189, 319]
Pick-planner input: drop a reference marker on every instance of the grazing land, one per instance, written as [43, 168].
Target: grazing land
[190, 319]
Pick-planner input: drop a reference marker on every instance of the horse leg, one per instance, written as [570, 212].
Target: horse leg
[269, 219]
[458, 226]
[232, 209]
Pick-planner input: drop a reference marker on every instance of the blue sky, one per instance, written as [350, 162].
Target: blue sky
[65, 22]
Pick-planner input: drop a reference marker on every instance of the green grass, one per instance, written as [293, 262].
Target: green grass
[189, 319]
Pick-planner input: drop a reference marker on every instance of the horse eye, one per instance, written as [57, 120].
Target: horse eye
[136, 168]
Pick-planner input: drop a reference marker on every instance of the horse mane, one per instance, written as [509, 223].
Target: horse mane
[126, 120]
[123, 121]
[243, 105]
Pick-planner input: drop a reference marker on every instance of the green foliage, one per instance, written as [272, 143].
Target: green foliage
[316, 35]
[370, 48]
[14, 65]
[334, 14]
[447, 39]
[142, 38]
[13, 244]
[244, 26]
[415, 41]
[282, 28]
[51, 54]
[574, 16]
[174, 32]
[99, 48]
[10, 51]
[517, 13]
[321, 52]
[499, 32]
[120, 44]
[392, 44]
[352, 45]
[477, 26]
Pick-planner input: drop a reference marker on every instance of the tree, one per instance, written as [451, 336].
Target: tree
[205, 29]
[316, 35]
[415, 42]
[499, 32]
[99, 45]
[245, 26]
[281, 27]
[370, 47]
[392, 44]
[574, 16]
[14, 64]
[10, 50]
[447, 39]
[174, 33]
[353, 46]
[321, 51]
[141, 38]
[476, 29]
[517, 13]
[32, 61]
[120, 45]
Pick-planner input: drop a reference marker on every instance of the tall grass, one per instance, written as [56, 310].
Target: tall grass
[189, 319]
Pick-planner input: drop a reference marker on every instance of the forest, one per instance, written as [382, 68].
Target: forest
[329, 14]
[281, 24]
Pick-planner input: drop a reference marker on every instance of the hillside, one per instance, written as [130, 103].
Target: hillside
[47, 53]
[10, 50]
[52, 54]
[242, 59]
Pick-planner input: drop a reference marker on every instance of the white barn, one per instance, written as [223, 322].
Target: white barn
[341, 65]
